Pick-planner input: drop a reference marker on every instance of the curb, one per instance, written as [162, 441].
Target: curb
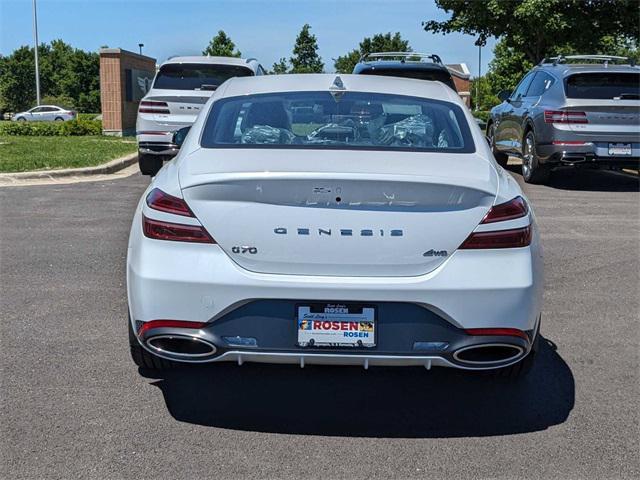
[107, 168]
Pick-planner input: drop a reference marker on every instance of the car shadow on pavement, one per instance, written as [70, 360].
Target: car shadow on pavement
[379, 402]
[584, 179]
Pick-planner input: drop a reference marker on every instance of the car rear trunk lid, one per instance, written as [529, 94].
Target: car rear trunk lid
[342, 213]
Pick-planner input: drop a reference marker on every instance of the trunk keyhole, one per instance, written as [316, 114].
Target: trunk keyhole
[338, 199]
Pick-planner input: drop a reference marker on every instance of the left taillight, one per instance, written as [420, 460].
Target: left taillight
[159, 200]
[149, 106]
[510, 238]
[177, 232]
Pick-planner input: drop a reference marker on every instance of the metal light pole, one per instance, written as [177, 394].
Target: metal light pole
[479, 76]
[480, 42]
[35, 41]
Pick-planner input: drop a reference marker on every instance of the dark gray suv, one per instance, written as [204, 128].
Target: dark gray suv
[574, 110]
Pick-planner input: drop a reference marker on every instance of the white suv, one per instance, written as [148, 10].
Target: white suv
[180, 88]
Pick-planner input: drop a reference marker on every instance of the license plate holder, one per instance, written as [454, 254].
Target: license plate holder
[336, 325]
[620, 149]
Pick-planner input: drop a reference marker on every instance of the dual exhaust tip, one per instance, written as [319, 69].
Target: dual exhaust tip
[181, 346]
[488, 354]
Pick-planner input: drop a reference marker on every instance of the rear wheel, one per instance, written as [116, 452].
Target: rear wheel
[143, 358]
[149, 164]
[501, 158]
[59, 119]
[532, 170]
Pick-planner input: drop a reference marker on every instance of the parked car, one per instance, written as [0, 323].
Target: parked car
[370, 226]
[421, 66]
[566, 113]
[45, 113]
[180, 88]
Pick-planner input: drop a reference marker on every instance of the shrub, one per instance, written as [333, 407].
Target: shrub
[59, 101]
[482, 115]
[78, 127]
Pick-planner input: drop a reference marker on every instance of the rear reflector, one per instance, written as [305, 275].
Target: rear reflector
[507, 332]
[159, 200]
[175, 232]
[517, 237]
[146, 326]
[564, 116]
[510, 210]
[560, 142]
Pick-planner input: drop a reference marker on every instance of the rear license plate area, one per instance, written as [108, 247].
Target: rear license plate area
[617, 149]
[336, 325]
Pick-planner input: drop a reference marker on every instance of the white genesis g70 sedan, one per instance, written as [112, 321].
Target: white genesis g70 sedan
[324, 219]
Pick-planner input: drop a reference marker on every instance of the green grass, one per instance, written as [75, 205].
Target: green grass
[21, 154]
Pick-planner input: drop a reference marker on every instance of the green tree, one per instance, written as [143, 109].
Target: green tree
[221, 46]
[379, 43]
[541, 28]
[482, 94]
[280, 67]
[66, 73]
[305, 57]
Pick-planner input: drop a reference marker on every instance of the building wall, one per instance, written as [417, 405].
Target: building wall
[119, 106]
[463, 85]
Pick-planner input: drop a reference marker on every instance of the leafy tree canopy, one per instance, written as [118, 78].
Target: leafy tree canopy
[305, 57]
[221, 46]
[379, 43]
[540, 28]
[65, 72]
[280, 67]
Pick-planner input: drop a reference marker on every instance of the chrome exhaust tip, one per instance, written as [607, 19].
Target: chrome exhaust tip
[181, 346]
[488, 354]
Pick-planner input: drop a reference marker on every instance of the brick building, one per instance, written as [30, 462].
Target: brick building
[462, 80]
[125, 77]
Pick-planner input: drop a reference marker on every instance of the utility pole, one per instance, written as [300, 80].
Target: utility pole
[35, 40]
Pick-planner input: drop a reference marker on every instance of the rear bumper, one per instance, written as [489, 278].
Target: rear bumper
[591, 153]
[406, 335]
[200, 283]
[158, 148]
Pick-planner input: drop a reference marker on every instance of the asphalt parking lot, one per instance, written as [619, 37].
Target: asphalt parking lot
[74, 405]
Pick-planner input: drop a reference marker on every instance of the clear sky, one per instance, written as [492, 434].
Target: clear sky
[265, 29]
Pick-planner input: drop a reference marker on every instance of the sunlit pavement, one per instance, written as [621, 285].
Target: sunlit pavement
[74, 405]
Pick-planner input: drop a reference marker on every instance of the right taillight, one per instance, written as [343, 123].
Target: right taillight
[149, 106]
[564, 116]
[511, 238]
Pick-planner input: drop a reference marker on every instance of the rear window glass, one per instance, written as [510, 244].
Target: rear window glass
[326, 120]
[436, 75]
[186, 76]
[603, 85]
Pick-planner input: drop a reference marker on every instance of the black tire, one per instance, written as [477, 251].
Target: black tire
[21, 119]
[149, 164]
[59, 119]
[501, 157]
[143, 358]
[523, 367]
[532, 170]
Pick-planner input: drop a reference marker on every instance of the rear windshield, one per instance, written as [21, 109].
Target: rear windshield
[326, 120]
[436, 75]
[604, 85]
[196, 76]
